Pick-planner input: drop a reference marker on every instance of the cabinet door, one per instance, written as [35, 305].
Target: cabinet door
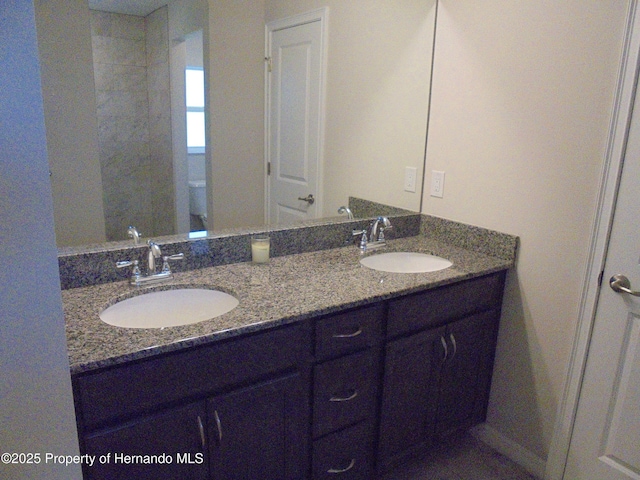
[260, 432]
[466, 373]
[168, 445]
[410, 390]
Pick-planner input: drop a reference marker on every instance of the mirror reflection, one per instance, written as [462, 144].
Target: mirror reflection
[123, 147]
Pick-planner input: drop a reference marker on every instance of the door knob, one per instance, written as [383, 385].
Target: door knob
[309, 199]
[621, 284]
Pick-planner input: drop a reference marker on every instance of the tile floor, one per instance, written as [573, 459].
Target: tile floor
[464, 458]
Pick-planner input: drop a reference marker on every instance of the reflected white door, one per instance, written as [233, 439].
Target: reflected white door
[606, 439]
[294, 125]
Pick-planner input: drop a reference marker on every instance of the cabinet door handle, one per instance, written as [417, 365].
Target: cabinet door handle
[343, 470]
[455, 345]
[344, 399]
[348, 335]
[203, 439]
[218, 425]
[445, 347]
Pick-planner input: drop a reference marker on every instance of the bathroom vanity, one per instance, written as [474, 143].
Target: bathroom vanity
[326, 369]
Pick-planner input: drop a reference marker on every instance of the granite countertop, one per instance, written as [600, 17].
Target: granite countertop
[288, 289]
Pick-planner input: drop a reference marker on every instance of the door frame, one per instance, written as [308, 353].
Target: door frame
[610, 181]
[321, 15]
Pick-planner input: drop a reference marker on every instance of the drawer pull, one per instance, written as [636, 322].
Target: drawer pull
[343, 470]
[348, 335]
[345, 399]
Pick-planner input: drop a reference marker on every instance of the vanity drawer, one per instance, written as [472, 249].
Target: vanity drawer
[347, 454]
[131, 389]
[349, 331]
[441, 305]
[345, 391]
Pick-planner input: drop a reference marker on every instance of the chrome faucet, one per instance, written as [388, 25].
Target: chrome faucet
[154, 252]
[377, 229]
[375, 238]
[132, 232]
[346, 210]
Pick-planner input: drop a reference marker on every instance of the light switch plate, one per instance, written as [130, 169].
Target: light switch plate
[437, 183]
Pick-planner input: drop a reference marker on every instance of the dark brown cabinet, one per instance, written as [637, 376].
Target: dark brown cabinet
[232, 410]
[345, 454]
[169, 444]
[259, 432]
[410, 394]
[340, 396]
[465, 377]
[438, 369]
[346, 379]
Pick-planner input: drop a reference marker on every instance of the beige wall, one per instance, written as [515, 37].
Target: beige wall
[522, 98]
[236, 112]
[64, 44]
[377, 94]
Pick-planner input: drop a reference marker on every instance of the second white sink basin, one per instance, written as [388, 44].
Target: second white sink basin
[169, 308]
[405, 262]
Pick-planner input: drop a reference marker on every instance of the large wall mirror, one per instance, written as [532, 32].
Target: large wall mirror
[115, 76]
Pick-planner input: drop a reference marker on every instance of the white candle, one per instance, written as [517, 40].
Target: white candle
[260, 249]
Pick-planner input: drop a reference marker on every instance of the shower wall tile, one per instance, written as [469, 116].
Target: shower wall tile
[122, 110]
[117, 25]
[111, 77]
[158, 36]
[131, 63]
[161, 151]
[120, 51]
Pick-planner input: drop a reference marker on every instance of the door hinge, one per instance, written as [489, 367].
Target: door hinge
[268, 168]
[268, 60]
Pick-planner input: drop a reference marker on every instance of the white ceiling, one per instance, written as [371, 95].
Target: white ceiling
[130, 7]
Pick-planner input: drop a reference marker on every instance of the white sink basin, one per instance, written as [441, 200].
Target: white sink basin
[405, 262]
[169, 308]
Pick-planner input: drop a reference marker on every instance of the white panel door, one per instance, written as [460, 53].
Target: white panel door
[294, 122]
[605, 443]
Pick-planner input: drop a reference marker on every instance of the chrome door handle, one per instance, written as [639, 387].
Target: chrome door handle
[218, 425]
[621, 284]
[203, 438]
[309, 199]
[445, 348]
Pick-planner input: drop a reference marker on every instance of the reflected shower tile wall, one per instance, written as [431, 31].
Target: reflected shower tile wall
[131, 56]
[160, 144]
[119, 55]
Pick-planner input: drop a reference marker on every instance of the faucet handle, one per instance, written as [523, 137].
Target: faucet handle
[363, 238]
[167, 258]
[382, 229]
[135, 272]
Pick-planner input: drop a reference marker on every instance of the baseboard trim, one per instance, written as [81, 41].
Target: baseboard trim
[514, 451]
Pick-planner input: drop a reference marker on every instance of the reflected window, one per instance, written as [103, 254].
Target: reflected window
[194, 82]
